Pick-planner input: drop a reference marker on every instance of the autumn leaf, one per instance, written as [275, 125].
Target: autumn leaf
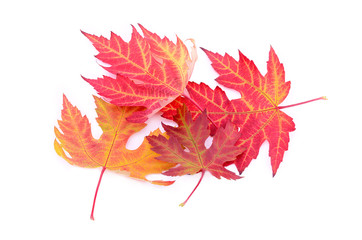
[75, 143]
[218, 106]
[257, 112]
[186, 147]
[149, 71]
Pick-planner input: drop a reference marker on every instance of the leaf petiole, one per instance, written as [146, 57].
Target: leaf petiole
[202, 176]
[293, 105]
[95, 195]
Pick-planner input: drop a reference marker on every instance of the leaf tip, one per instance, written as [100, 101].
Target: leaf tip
[275, 169]
[272, 51]
[324, 98]
[57, 147]
[141, 26]
[191, 40]
[182, 204]
[134, 29]
[162, 183]
[87, 35]
[65, 100]
[203, 49]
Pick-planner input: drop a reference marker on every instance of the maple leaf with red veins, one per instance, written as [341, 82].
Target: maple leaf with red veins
[186, 147]
[109, 151]
[150, 71]
[257, 112]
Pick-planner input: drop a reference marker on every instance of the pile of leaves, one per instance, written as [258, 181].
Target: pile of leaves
[150, 74]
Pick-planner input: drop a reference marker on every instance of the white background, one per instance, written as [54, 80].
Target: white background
[316, 193]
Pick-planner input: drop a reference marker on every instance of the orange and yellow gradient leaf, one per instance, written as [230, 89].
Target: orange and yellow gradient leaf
[75, 143]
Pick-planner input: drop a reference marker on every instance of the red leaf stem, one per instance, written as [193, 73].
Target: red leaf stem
[198, 183]
[95, 195]
[296, 104]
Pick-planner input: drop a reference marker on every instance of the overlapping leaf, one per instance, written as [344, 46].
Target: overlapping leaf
[261, 97]
[257, 112]
[150, 71]
[186, 147]
[75, 143]
[219, 108]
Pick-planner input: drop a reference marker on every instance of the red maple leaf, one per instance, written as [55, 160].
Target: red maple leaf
[149, 71]
[257, 112]
[186, 147]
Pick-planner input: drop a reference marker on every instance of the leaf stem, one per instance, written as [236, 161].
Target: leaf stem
[200, 108]
[202, 176]
[95, 195]
[292, 105]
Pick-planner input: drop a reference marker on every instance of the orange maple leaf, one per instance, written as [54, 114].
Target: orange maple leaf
[75, 143]
[150, 71]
